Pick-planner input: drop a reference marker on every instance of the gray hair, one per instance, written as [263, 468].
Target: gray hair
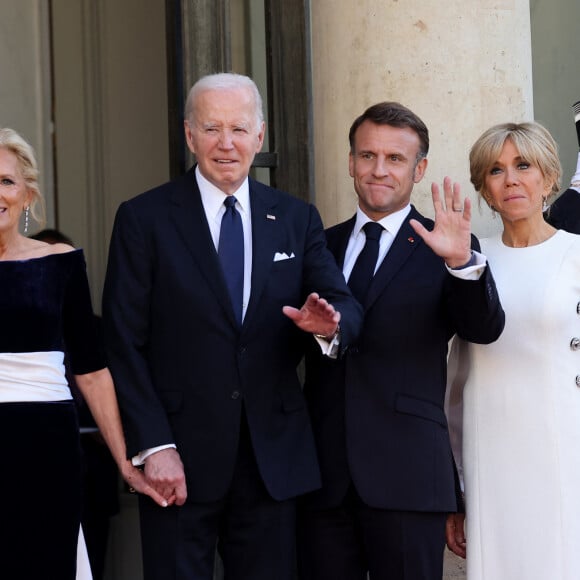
[223, 81]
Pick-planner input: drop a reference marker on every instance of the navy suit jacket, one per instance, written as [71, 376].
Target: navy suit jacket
[564, 213]
[378, 414]
[182, 366]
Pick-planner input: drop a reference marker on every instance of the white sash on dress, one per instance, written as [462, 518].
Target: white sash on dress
[33, 377]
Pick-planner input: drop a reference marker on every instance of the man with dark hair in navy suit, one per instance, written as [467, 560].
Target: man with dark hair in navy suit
[215, 285]
[388, 477]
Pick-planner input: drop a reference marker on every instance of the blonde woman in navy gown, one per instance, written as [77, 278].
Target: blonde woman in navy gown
[45, 307]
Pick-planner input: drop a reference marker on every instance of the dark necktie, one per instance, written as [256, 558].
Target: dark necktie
[231, 254]
[364, 267]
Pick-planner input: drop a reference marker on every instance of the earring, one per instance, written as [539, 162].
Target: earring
[26, 214]
[544, 204]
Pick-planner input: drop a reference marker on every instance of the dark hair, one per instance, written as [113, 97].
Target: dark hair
[52, 237]
[395, 115]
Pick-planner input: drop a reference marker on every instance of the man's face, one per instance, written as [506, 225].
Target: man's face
[224, 134]
[384, 167]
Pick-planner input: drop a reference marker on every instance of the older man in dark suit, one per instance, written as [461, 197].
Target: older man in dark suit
[205, 329]
[387, 469]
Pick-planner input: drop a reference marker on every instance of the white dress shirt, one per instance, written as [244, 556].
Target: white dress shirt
[392, 224]
[212, 200]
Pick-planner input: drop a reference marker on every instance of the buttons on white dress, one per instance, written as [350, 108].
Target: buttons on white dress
[574, 345]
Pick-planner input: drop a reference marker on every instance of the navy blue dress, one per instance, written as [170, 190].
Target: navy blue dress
[45, 307]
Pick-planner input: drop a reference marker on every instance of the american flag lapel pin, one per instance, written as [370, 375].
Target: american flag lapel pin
[411, 239]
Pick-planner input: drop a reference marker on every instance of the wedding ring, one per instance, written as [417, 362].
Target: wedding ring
[457, 209]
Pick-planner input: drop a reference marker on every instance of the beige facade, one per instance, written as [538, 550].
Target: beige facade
[461, 66]
[94, 102]
[25, 99]
[456, 64]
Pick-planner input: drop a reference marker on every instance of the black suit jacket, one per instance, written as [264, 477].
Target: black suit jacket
[181, 365]
[564, 213]
[378, 414]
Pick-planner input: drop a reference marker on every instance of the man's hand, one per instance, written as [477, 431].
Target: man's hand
[316, 316]
[164, 472]
[455, 534]
[451, 236]
[136, 481]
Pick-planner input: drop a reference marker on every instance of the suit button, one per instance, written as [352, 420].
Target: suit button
[242, 350]
[575, 343]
[236, 395]
[578, 380]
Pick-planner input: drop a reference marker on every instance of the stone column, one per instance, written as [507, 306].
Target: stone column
[25, 84]
[460, 65]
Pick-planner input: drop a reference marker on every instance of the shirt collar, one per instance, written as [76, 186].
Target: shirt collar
[392, 222]
[212, 197]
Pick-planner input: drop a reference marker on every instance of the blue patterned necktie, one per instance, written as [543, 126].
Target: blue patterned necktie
[231, 254]
[364, 267]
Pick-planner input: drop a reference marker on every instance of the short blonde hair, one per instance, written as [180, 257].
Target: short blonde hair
[533, 142]
[13, 142]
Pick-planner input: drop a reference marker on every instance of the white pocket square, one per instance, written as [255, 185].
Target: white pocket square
[279, 256]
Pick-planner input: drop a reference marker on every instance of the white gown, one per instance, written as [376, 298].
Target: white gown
[521, 420]
[83, 565]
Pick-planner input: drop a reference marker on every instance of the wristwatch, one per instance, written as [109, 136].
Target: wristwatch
[331, 337]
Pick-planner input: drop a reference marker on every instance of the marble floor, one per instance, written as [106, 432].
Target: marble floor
[454, 567]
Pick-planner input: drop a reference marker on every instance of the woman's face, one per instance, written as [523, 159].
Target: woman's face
[515, 187]
[14, 195]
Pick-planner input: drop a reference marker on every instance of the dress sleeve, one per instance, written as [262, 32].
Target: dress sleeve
[83, 341]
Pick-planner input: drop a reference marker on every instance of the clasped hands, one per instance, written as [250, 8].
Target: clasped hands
[451, 236]
[163, 478]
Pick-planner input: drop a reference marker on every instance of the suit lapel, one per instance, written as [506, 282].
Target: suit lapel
[337, 240]
[405, 243]
[188, 215]
[267, 239]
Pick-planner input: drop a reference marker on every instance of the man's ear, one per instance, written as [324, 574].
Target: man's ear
[351, 164]
[420, 169]
[188, 136]
[261, 135]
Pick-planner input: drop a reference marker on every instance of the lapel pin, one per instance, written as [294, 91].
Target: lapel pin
[270, 216]
[411, 239]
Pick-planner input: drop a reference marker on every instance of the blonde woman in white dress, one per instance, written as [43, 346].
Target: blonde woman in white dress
[521, 401]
